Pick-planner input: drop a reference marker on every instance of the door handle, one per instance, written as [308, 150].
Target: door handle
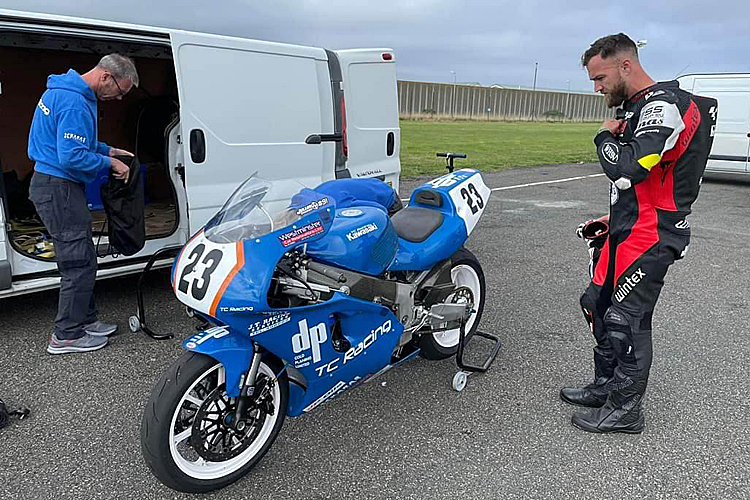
[318, 138]
[197, 146]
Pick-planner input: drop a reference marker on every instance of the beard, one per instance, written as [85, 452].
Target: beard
[618, 95]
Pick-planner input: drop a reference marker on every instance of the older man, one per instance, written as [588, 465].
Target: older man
[654, 158]
[67, 154]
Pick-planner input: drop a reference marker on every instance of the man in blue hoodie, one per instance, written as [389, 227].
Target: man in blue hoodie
[63, 143]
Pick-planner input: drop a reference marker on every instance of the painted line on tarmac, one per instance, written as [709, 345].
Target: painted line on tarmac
[504, 188]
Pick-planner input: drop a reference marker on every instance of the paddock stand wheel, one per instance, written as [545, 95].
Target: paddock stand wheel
[459, 381]
[461, 377]
[134, 324]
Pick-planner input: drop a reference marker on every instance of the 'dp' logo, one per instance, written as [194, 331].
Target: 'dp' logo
[309, 338]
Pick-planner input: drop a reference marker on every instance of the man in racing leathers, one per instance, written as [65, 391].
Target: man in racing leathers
[654, 157]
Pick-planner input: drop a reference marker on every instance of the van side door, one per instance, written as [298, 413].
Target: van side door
[248, 106]
[732, 137]
[6, 274]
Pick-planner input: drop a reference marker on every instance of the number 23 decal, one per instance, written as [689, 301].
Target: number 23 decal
[200, 283]
[472, 197]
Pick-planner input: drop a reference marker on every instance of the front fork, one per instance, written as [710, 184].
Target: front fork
[247, 390]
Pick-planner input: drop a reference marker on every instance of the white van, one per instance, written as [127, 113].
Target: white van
[210, 111]
[732, 140]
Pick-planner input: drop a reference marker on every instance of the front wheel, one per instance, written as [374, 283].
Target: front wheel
[189, 438]
[467, 275]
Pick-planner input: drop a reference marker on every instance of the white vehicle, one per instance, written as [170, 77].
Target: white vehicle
[732, 140]
[210, 111]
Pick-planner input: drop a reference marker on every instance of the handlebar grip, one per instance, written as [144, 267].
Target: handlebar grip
[442, 155]
[326, 271]
[459, 155]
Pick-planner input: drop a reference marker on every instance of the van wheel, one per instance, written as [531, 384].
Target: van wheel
[189, 437]
[467, 275]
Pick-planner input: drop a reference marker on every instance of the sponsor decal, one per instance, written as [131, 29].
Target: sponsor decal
[361, 231]
[216, 332]
[352, 212]
[306, 343]
[629, 115]
[651, 115]
[352, 353]
[334, 391]
[312, 206]
[273, 320]
[449, 179]
[614, 193]
[75, 137]
[683, 224]
[653, 94]
[236, 309]
[44, 108]
[630, 282]
[611, 152]
[301, 233]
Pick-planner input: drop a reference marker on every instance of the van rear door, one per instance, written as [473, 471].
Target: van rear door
[247, 106]
[371, 130]
[732, 138]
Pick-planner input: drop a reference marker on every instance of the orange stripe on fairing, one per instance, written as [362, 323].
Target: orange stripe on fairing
[229, 278]
[174, 275]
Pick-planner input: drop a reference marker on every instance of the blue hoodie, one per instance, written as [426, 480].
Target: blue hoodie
[63, 137]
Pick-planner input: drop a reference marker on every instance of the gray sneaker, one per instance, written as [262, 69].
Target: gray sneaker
[100, 329]
[83, 344]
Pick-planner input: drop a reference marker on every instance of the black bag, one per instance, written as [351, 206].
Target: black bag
[123, 204]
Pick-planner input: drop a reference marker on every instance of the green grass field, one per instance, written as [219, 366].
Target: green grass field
[493, 145]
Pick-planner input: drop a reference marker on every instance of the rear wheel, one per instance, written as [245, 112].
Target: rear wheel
[467, 275]
[189, 438]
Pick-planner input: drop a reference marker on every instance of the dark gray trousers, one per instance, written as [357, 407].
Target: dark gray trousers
[62, 206]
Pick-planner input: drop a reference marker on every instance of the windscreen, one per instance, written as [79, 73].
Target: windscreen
[259, 207]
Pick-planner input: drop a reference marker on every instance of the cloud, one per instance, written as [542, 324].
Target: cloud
[482, 41]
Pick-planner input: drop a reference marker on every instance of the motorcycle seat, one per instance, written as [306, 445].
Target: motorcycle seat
[416, 224]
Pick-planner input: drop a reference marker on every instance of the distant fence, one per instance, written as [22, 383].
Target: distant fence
[445, 100]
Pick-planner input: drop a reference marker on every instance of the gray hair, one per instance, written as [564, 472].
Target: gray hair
[120, 67]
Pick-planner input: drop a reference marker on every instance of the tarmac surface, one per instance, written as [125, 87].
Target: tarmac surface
[408, 434]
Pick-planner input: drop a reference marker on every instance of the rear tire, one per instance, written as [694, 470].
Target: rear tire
[465, 272]
[194, 389]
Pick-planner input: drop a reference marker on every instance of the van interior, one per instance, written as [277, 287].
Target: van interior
[140, 123]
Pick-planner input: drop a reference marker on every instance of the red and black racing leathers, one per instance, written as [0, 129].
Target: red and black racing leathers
[655, 169]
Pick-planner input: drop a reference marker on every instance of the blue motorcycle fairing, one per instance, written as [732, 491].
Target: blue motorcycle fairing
[463, 197]
[247, 287]
[230, 349]
[302, 337]
[362, 239]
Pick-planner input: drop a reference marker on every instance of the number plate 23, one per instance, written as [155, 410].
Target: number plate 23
[203, 272]
[470, 198]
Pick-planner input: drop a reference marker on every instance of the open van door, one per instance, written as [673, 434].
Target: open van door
[372, 129]
[6, 274]
[731, 146]
[248, 106]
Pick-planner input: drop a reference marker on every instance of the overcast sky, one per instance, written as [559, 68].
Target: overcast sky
[482, 41]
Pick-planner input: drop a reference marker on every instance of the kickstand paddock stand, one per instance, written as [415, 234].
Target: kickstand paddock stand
[459, 380]
[138, 322]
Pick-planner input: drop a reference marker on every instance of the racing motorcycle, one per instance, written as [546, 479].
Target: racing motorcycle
[309, 300]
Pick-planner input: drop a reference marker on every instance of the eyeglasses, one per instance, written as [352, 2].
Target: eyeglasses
[122, 94]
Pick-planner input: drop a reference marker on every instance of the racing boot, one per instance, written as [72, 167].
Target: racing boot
[594, 394]
[621, 412]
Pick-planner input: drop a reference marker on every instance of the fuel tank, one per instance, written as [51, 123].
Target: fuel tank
[362, 239]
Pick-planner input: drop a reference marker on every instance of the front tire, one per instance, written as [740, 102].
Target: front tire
[189, 407]
[466, 273]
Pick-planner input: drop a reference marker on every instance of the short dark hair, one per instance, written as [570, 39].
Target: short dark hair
[608, 46]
